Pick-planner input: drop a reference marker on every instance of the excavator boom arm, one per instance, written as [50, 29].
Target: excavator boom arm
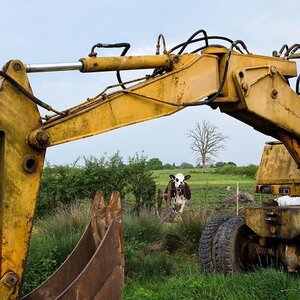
[153, 98]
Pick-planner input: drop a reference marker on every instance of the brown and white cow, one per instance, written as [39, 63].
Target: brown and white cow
[177, 192]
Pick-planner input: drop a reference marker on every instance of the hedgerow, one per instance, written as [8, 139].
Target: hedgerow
[67, 184]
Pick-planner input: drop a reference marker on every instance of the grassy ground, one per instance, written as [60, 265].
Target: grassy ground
[161, 258]
[192, 285]
[160, 261]
[209, 189]
[199, 178]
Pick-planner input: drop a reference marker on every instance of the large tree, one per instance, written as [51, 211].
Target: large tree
[206, 142]
[154, 164]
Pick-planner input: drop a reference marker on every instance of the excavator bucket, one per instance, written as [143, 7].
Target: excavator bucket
[95, 268]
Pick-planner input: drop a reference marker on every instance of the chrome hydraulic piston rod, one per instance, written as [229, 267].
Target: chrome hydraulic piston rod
[96, 64]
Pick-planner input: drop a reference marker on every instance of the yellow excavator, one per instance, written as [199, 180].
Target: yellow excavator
[252, 88]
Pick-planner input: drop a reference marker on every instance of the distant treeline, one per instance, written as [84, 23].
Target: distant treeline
[219, 167]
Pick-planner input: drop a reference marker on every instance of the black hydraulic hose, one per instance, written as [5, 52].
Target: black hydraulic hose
[126, 47]
[285, 46]
[211, 45]
[240, 42]
[118, 72]
[288, 51]
[215, 37]
[191, 38]
[278, 54]
[218, 93]
[34, 99]
[293, 49]
[201, 39]
[297, 85]
[234, 44]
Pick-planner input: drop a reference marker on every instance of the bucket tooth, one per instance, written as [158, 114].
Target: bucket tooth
[95, 268]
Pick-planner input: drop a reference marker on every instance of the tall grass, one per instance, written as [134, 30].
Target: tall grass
[145, 228]
[152, 271]
[143, 236]
[52, 241]
[64, 219]
[184, 234]
[140, 266]
[151, 245]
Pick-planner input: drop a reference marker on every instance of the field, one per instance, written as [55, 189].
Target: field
[161, 258]
[199, 178]
[209, 189]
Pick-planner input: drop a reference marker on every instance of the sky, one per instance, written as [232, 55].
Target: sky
[64, 31]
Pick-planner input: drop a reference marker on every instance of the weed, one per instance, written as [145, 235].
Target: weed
[145, 228]
[64, 219]
[185, 232]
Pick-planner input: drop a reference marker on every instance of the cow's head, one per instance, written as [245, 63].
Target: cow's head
[179, 179]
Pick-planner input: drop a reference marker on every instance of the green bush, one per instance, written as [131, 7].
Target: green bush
[222, 163]
[186, 165]
[168, 166]
[59, 184]
[105, 174]
[141, 183]
[67, 184]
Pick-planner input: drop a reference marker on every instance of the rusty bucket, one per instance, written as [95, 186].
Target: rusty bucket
[95, 268]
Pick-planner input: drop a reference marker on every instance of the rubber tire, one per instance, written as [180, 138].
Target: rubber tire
[206, 250]
[231, 246]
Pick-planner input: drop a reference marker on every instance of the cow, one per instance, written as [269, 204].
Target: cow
[177, 192]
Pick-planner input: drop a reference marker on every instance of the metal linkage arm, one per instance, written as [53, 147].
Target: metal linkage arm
[20, 171]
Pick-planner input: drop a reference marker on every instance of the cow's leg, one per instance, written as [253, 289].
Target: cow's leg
[173, 204]
[182, 206]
